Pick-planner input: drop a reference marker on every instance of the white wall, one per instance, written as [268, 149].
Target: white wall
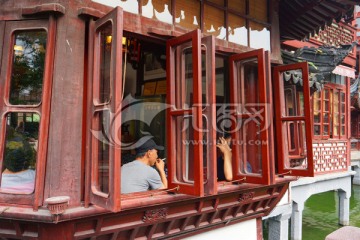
[244, 230]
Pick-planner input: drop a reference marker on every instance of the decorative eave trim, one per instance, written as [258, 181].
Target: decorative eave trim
[43, 8]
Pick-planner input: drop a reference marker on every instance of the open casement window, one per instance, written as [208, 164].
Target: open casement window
[293, 120]
[191, 94]
[248, 110]
[25, 93]
[105, 97]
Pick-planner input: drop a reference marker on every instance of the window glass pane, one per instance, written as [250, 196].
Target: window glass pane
[204, 80]
[342, 94]
[293, 93]
[159, 9]
[259, 36]
[317, 101]
[184, 149]
[103, 94]
[28, 67]
[206, 152]
[19, 159]
[326, 117]
[220, 76]
[250, 147]
[237, 30]
[258, 10]
[188, 14]
[247, 80]
[326, 105]
[326, 130]
[102, 149]
[249, 118]
[317, 118]
[290, 102]
[316, 129]
[184, 79]
[214, 23]
[238, 6]
[296, 137]
[327, 94]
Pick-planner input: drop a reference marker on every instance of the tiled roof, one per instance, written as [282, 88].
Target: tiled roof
[322, 61]
[299, 18]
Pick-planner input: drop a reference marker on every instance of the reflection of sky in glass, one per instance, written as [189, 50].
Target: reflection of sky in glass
[239, 36]
[260, 39]
[27, 51]
[128, 5]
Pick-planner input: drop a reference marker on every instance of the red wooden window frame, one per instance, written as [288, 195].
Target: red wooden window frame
[209, 113]
[194, 39]
[112, 199]
[43, 108]
[281, 119]
[327, 96]
[236, 92]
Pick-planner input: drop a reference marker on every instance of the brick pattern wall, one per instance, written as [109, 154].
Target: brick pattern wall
[330, 156]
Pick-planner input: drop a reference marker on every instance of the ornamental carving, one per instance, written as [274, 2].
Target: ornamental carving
[155, 215]
[246, 196]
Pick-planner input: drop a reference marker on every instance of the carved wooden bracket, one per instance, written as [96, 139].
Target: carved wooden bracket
[244, 197]
[155, 215]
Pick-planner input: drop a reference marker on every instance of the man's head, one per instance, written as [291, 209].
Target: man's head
[149, 151]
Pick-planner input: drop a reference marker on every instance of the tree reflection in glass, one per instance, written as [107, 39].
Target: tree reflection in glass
[28, 67]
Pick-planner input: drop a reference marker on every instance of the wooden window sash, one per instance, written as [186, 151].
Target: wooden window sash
[283, 153]
[328, 123]
[197, 187]
[43, 108]
[264, 176]
[112, 199]
[320, 112]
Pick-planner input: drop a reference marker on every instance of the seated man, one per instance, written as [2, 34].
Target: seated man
[224, 161]
[138, 175]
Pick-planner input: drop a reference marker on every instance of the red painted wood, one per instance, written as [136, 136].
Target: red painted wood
[110, 200]
[174, 99]
[238, 99]
[283, 153]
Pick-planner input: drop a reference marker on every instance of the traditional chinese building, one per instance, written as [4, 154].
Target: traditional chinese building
[84, 82]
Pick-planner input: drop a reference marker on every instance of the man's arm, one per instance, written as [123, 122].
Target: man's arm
[226, 151]
[160, 165]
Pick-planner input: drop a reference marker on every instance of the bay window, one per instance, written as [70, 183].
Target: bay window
[26, 77]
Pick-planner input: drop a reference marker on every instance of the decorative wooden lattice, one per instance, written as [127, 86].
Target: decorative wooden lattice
[335, 35]
[330, 156]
